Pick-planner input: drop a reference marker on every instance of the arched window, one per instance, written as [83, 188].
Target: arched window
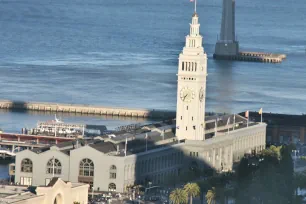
[57, 166]
[27, 166]
[86, 168]
[112, 187]
[113, 172]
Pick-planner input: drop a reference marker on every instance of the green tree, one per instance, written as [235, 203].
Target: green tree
[192, 190]
[211, 196]
[178, 196]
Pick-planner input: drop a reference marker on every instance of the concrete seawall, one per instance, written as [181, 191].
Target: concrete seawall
[85, 109]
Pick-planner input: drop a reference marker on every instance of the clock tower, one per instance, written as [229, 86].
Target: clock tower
[191, 86]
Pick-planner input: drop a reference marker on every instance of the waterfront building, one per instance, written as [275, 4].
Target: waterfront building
[56, 192]
[283, 128]
[152, 153]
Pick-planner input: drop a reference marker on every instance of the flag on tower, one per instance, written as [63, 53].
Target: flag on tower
[195, 5]
[247, 114]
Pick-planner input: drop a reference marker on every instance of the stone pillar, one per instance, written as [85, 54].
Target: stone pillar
[231, 157]
[227, 44]
[18, 138]
[275, 134]
[214, 158]
[37, 140]
[220, 157]
[302, 134]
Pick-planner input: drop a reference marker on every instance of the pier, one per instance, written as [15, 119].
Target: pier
[227, 47]
[253, 57]
[85, 109]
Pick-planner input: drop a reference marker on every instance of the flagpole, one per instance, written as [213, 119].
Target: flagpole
[248, 122]
[146, 141]
[228, 122]
[234, 121]
[125, 146]
[216, 128]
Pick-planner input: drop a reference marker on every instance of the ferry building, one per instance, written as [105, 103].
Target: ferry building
[154, 152]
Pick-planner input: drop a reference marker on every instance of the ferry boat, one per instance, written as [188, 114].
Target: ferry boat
[58, 128]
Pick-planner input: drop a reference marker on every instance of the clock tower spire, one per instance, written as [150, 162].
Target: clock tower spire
[191, 86]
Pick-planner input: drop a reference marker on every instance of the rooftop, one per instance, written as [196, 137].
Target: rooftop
[279, 119]
[148, 137]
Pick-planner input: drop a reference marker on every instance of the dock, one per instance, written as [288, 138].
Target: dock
[85, 109]
[253, 57]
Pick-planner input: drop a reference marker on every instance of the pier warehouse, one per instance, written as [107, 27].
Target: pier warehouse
[153, 153]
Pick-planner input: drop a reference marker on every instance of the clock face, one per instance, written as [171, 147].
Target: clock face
[186, 94]
[201, 94]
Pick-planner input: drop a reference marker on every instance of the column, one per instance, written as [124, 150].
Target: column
[231, 157]
[302, 134]
[220, 157]
[214, 158]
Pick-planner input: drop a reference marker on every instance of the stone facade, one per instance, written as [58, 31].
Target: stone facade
[157, 165]
[191, 87]
[59, 192]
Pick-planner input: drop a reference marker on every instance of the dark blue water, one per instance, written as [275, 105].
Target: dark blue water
[124, 53]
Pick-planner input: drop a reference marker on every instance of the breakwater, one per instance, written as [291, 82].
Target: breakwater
[253, 57]
[85, 109]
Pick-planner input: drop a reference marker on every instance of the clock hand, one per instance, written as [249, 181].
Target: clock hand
[185, 96]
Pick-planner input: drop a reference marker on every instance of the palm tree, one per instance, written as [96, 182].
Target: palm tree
[211, 196]
[178, 196]
[192, 190]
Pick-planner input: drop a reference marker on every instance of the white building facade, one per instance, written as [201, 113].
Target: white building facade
[191, 86]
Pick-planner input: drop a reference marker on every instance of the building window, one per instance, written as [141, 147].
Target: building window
[186, 127]
[112, 187]
[26, 181]
[181, 117]
[54, 164]
[183, 66]
[187, 107]
[197, 154]
[27, 166]
[86, 168]
[113, 172]
[192, 118]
